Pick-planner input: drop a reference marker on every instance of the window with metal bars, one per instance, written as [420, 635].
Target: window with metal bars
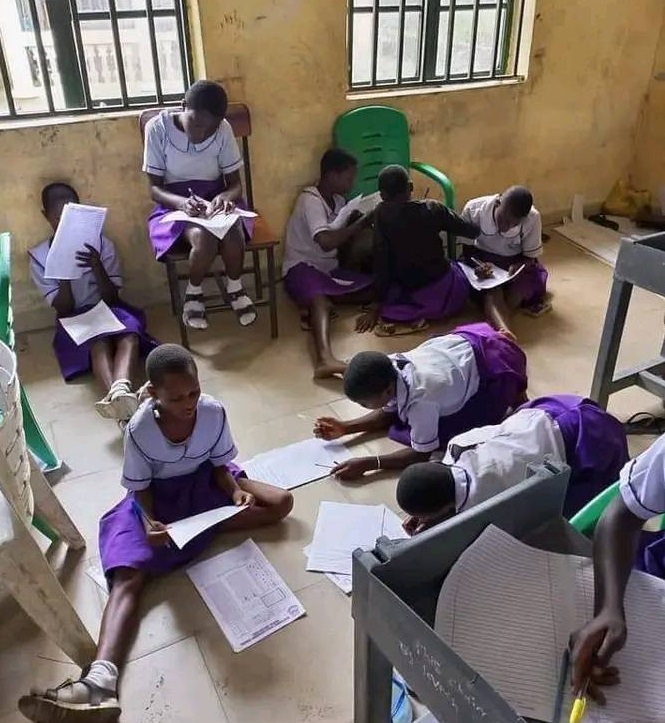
[407, 43]
[81, 56]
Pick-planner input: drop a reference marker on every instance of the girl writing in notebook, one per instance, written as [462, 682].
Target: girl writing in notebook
[178, 462]
[111, 356]
[193, 165]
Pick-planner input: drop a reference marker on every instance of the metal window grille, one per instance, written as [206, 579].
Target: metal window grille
[407, 43]
[81, 56]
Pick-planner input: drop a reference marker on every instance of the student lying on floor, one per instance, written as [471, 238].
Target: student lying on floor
[483, 462]
[193, 164]
[312, 276]
[112, 357]
[178, 462]
[510, 237]
[617, 539]
[448, 385]
[414, 282]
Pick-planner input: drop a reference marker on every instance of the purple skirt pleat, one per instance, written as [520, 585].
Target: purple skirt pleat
[531, 282]
[304, 283]
[596, 445]
[163, 236]
[122, 539]
[441, 299]
[74, 360]
[502, 384]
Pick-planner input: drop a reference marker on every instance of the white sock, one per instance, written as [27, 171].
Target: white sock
[194, 290]
[103, 674]
[233, 285]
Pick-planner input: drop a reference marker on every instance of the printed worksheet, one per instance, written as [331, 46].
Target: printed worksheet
[245, 594]
[79, 225]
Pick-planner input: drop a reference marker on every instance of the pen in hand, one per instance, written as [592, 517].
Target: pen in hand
[579, 704]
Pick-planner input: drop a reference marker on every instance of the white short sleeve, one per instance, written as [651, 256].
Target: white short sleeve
[642, 482]
[470, 215]
[111, 262]
[136, 468]
[532, 238]
[154, 147]
[224, 449]
[230, 159]
[48, 288]
[423, 418]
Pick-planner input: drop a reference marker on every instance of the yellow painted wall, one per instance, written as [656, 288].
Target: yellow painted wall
[569, 129]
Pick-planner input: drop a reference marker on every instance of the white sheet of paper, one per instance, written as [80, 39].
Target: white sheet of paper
[79, 225]
[499, 278]
[245, 595]
[98, 320]
[182, 531]
[343, 216]
[341, 528]
[370, 202]
[218, 225]
[508, 609]
[343, 582]
[296, 464]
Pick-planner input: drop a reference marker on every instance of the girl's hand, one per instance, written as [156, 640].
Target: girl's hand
[157, 534]
[367, 321]
[411, 525]
[484, 271]
[220, 205]
[329, 428]
[353, 469]
[240, 497]
[89, 259]
[194, 206]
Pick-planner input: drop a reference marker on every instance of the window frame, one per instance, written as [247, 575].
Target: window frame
[65, 21]
[506, 56]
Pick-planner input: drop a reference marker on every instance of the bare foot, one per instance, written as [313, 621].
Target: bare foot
[329, 368]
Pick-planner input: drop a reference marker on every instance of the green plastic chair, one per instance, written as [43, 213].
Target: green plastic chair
[587, 518]
[378, 136]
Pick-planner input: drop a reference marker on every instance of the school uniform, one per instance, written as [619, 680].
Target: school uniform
[201, 167]
[413, 278]
[310, 271]
[453, 383]
[504, 249]
[561, 428]
[181, 480]
[74, 359]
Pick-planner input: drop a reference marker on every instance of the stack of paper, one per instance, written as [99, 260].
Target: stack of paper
[296, 464]
[219, 225]
[79, 226]
[245, 595]
[341, 529]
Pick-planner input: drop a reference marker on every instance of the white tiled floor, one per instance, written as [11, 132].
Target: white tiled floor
[181, 669]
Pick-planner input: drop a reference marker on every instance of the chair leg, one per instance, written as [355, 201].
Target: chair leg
[272, 293]
[52, 511]
[26, 573]
[258, 280]
[176, 301]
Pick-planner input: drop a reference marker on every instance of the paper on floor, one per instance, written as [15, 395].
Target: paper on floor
[296, 464]
[92, 323]
[341, 528]
[245, 595]
[219, 225]
[343, 582]
[79, 225]
[182, 531]
[499, 277]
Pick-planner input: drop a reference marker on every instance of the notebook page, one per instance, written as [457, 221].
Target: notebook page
[507, 610]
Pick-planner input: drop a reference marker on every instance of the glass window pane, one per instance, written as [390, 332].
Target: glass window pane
[92, 6]
[100, 60]
[461, 57]
[136, 57]
[482, 63]
[442, 44]
[168, 52]
[388, 47]
[412, 45]
[361, 46]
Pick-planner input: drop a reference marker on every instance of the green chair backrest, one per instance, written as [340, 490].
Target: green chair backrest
[6, 318]
[377, 136]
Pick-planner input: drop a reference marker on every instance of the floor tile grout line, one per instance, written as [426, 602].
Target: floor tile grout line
[212, 678]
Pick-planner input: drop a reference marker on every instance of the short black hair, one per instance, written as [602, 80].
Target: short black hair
[52, 190]
[368, 374]
[335, 160]
[168, 359]
[519, 199]
[425, 488]
[393, 181]
[208, 96]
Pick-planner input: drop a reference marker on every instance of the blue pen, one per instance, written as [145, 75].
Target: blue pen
[142, 515]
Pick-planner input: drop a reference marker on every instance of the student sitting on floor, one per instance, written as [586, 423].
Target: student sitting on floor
[617, 539]
[480, 463]
[193, 163]
[112, 357]
[448, 385]
[414, 282]
[312, 276]
[178, 462]
[510, 237]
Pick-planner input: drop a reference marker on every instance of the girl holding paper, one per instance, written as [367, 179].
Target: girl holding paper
[112, 356]
[193, 164]
[178, 462]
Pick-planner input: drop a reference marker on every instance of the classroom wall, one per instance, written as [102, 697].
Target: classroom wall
[569, 129]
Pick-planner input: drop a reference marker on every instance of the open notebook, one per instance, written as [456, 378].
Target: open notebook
[508, 609]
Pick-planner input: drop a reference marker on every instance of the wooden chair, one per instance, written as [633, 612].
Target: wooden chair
[263, 241]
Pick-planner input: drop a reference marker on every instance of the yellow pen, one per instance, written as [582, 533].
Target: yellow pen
[579, 705]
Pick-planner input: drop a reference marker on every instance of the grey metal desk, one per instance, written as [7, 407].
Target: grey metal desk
[395, 591]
